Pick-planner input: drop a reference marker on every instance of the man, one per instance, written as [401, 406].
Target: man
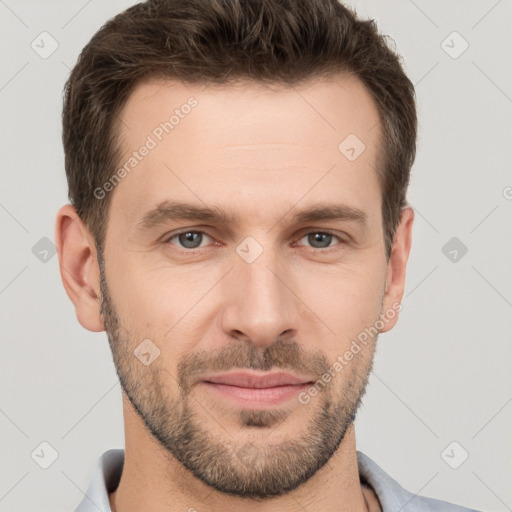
[239, 228]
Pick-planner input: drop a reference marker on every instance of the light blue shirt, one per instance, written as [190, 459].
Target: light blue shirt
[392, 496]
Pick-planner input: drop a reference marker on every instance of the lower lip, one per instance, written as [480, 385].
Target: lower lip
[257, 397]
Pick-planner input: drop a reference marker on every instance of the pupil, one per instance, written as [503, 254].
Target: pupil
[319, 237]
[188, 240]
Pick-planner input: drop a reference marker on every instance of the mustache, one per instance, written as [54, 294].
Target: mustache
[283, 354]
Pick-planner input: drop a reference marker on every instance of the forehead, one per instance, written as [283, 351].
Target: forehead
[248, 144]
[237, 112]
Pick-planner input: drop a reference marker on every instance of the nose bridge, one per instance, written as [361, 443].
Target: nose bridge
[260, 306]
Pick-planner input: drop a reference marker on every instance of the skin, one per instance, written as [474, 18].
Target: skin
[261, 154]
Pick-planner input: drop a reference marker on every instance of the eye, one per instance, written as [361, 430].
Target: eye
[188, 239]
[321, 239]
[193, 239]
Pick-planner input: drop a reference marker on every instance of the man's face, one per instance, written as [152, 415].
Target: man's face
[261, 290]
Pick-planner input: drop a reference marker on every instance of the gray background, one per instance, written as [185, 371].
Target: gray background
[442, 375]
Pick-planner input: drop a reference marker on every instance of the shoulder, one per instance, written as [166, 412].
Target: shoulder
[105, 478]
[394, 497]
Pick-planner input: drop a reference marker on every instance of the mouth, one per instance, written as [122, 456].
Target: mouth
[251, 390]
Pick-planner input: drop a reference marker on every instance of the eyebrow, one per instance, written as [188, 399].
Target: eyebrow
[331, 212]
[175, 210]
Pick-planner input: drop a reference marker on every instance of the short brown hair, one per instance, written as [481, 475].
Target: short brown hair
[222, 41]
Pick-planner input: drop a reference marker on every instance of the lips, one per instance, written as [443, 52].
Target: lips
[255, 381]
[250, 390]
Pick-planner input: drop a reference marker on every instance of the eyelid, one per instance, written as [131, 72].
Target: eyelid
[168, 236]
[308, 231]
[302, 233]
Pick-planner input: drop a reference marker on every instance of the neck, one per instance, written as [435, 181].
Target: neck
[152, 479]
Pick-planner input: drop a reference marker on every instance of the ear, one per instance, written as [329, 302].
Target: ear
[79, 270]
[395, 277]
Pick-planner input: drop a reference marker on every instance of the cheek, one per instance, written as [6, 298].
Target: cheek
[159, 302]
[165, 304]
[139, 298]
[347, 300]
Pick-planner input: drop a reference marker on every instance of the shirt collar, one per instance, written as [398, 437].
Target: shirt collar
[392, 496]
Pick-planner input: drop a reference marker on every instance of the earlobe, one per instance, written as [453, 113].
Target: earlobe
[397, 266]
[78, 266]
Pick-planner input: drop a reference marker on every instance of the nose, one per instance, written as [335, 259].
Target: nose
[261, 305]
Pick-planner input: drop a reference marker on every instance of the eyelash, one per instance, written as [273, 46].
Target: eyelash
[168, 239]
